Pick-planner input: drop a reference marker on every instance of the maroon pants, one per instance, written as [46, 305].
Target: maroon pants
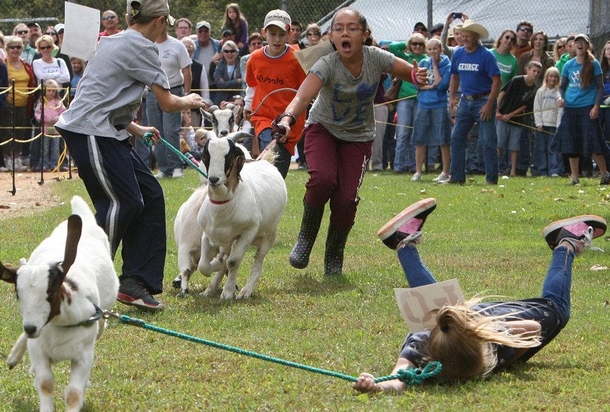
[336, 170]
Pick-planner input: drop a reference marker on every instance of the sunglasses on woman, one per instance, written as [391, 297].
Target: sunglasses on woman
[229, 51]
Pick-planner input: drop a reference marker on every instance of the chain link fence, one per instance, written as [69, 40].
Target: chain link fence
[388, 19]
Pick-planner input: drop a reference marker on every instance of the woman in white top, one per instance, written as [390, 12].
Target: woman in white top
[49, 67]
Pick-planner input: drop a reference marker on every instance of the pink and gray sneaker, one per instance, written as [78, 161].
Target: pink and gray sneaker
[406, 223]
[579, 231]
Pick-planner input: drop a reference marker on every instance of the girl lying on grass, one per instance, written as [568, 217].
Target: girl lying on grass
[472, 339]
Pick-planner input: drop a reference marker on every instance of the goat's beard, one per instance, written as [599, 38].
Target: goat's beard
[221, 191]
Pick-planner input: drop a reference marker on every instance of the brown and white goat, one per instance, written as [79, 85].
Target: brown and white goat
[63, 289]
[243, 207]
[188, 233]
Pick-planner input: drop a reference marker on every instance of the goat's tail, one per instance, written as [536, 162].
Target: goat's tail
[81, 208]
[269, 153]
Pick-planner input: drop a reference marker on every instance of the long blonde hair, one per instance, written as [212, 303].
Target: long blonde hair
[463, 337]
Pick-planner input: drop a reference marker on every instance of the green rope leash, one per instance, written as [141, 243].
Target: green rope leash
[409, 376]
[147, 138]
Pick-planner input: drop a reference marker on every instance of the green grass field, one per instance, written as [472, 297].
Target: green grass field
[487, 237]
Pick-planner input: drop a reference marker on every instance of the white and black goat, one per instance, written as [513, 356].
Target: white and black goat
[243, 207]
[223, 124]
[187, 232]
[63, 289]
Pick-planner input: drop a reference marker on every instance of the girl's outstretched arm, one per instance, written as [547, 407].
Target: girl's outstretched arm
[366, 381]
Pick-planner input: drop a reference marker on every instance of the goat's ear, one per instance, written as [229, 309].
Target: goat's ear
[75, 227]
[236, 110]
[240, 159]
[8, 273]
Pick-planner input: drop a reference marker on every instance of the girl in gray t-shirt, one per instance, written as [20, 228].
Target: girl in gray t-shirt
[339, 132]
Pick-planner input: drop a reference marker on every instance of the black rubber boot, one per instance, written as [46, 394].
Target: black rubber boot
[299, 257]
[333, 255]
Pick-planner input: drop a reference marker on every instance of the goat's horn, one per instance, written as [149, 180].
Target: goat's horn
[238, 136]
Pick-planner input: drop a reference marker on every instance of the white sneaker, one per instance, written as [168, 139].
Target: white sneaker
[178, 173]
[416, 177]
[160, 175]
[441, 178]
[18, 166]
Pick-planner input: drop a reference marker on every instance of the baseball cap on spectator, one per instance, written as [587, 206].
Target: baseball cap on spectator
[582, 37]
[32, 24]
[450, 33]
[149, 8]
[278, 18]
[203, 23]
[59, 27]
[437, 28]
[420, 26]
[227, 31]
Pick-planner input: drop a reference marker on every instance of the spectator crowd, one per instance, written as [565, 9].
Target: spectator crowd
[527, 106]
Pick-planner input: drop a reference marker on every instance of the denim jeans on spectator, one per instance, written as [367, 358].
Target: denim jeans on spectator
[467, 114]
[547, 161]
[524, 159]
[381, 115]
[50, 153]
[169, 125]
[404, 160]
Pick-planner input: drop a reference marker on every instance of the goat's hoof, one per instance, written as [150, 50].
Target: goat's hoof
[183, 293]
[244, 294]
[207, 293]
[227, 295]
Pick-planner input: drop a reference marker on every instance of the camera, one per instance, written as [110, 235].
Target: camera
[457, 15]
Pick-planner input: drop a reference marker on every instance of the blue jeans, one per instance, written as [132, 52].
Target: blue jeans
[467, 115]
[547, 160]
[50, 152]
[404, 160]
[169, 125]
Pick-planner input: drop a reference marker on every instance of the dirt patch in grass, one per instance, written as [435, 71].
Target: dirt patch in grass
[28, 194]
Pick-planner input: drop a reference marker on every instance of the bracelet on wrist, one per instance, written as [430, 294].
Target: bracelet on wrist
[293, 118]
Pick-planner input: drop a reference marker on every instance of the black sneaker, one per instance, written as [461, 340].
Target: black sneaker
[578, 230]
[407, 222]
[132, 292]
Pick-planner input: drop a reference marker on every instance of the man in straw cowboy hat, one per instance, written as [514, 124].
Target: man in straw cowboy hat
[475, 69]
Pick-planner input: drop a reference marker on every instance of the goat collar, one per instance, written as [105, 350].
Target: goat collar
[92, 319]
[218, 202]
